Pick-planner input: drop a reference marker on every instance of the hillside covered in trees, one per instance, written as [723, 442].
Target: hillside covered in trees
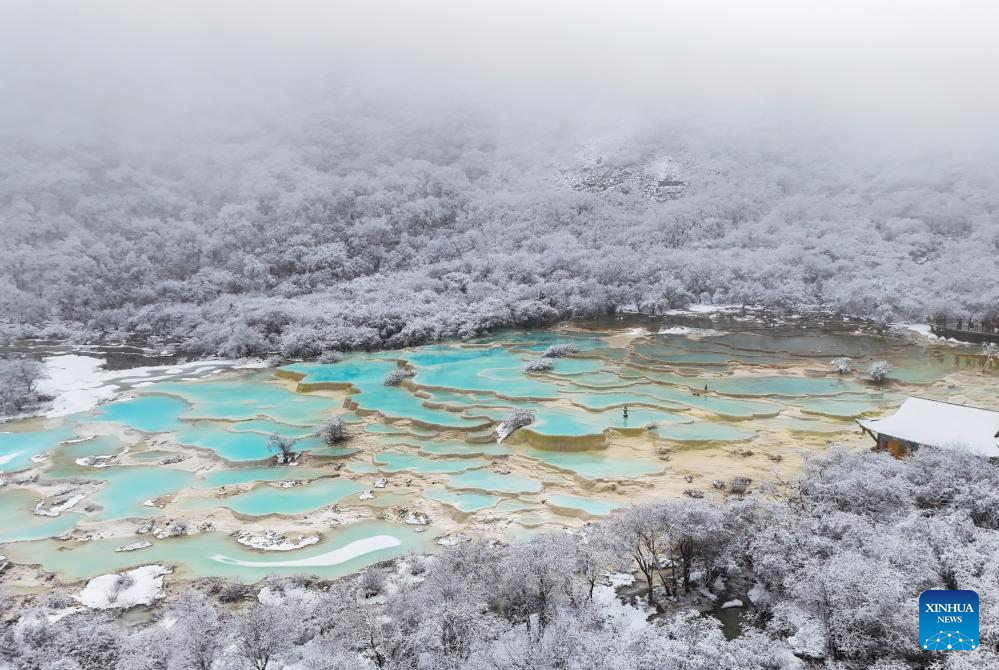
[343, 228]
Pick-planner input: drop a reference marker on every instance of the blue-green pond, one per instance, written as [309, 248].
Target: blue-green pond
[421, 460]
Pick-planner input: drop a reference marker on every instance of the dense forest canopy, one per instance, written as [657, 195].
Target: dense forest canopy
[347, 229]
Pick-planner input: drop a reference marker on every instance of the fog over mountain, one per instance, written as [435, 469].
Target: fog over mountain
[357, 174]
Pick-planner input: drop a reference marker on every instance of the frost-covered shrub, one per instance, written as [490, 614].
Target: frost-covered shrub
[878, 371]
[841, 365]
[417, 565]
[284, 446]
[371, 582]
[739, 485]
[517, 418]
[396, 376]
[560, 350]
[331, 356]
[18, 385]
[539, 365]
[234, 592]
[332, 431]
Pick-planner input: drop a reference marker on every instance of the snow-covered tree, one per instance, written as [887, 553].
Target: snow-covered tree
[332, 431]
[539, 365]
[841, 365]
[284, 446]
[878, 371]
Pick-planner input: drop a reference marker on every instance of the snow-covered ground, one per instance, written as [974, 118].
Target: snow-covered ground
[78, 383]
[140, 586]
[57, 509]
[691, 332]
[620, 616]
[703, 308]
[272, 540]
[922, 329]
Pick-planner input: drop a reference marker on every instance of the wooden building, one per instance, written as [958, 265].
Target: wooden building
[921, 422]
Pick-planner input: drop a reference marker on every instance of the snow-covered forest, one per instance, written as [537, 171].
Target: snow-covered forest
[316, 178]
[353, 230]
[828, 571]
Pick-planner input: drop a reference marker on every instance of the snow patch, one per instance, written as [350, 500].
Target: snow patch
[76, 383]
[417, 519]
[691, 332]
[57, 509]
[758, 594]
[79, 383]
[620, 616]
[919, 328]
[272, 540]
[703, 308]
[140, 586]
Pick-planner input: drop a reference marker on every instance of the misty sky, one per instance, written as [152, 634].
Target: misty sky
[913, 70]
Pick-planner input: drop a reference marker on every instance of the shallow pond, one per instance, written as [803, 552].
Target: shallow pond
[697, 400]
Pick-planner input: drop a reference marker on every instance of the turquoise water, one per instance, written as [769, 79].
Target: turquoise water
[724, 407]
[63, 459]
[266, 499]
[478, 369]
[576, 366]
[840, 408]
[21, 523]
[367, 377]
[269, 427]
[785, 386]
[126, 488]
[487, 480]
[236, 400]
[390, 461]
[455, 448]
[17, 448]
[660, 378]
[229, 477]
[594, 464]
[467, 501]
[206, 554]
[812, 426]
[591, 507]
[563, 421]
[704, 431]
[387, 428]
[619, 399]
[148, 413]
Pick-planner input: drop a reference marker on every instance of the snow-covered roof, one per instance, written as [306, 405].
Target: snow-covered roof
[942, 424]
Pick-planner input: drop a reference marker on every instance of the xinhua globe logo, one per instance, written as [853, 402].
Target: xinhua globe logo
[948, 620]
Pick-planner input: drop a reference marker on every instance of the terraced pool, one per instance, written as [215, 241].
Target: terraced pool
[704, 405]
